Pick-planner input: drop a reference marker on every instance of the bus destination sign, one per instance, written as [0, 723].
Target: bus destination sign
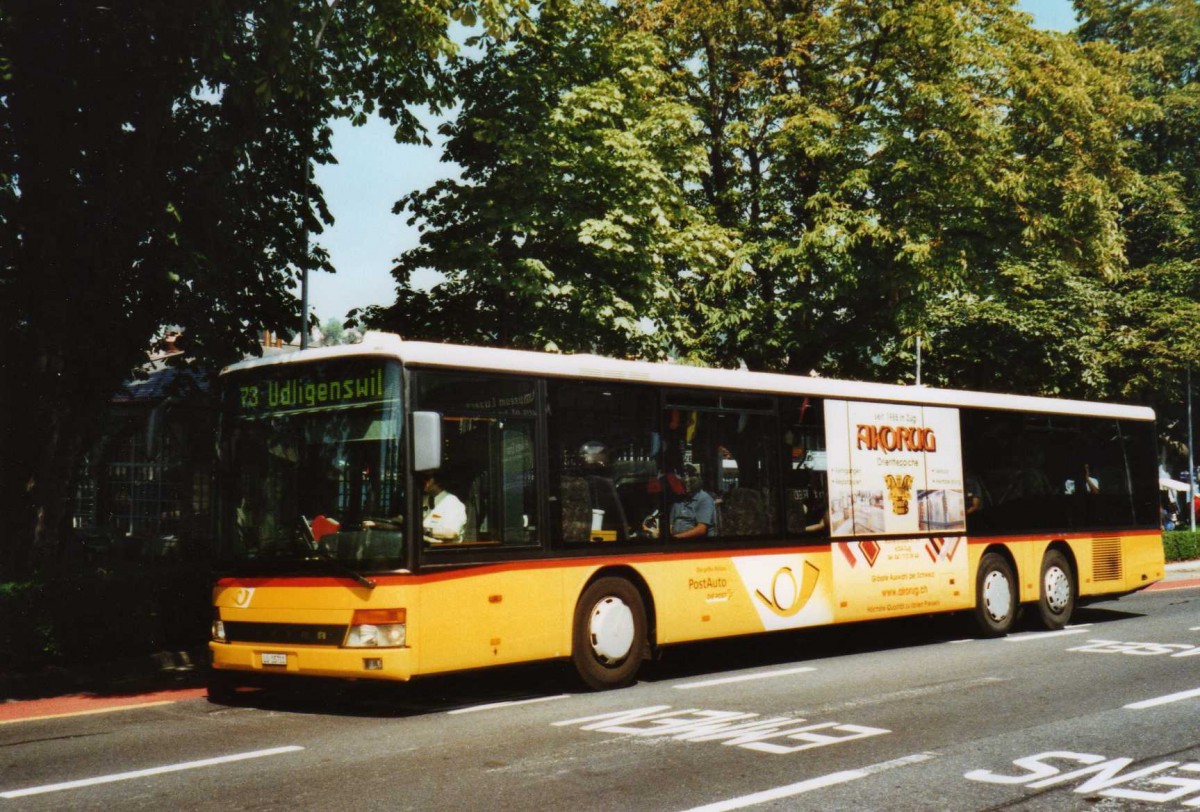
[313, 386]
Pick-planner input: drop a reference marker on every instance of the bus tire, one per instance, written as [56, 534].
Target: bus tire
[995, 596]
[222, 688]
[1056, 597]
[609, 634]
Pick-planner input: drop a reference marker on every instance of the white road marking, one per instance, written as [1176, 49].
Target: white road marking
[1163, 700]
[832, 779]
[170, 768]
[494, 705]
[1021, 638]
[744, 678]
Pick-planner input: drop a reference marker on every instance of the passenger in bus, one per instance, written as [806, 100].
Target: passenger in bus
[821, 525]
[975, 492]
[695, 515]
[1086, 484]
[443, 514]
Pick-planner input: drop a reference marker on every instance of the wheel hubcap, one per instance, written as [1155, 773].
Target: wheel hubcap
[610, 630]
[997, 595]
[1057, 587]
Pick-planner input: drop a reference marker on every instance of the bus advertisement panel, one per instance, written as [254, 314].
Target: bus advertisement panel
[893, 469]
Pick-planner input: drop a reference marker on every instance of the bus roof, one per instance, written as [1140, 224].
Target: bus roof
[596, 367]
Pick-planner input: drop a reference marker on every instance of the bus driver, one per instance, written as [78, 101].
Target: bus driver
[443, 514]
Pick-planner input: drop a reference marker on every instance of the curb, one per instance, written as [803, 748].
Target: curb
[178, 668]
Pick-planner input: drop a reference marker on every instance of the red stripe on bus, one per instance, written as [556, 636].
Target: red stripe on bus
[469, 571]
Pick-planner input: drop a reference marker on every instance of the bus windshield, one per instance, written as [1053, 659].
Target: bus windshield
[316, 473]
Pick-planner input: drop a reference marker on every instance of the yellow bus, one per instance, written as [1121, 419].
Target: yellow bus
[395, 509]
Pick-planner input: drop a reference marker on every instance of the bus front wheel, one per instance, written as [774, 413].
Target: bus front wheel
[995, 596]
[609, 635]
[1056, 598]
[222, 688]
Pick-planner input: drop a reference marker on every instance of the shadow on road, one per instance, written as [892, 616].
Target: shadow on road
[519, 683]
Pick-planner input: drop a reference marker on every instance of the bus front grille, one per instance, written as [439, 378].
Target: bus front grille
[1106, 559]
[296, 634]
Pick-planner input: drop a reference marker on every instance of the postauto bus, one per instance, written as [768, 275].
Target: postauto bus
[395, 509]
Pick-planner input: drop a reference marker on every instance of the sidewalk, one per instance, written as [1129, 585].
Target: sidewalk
[1183, 570]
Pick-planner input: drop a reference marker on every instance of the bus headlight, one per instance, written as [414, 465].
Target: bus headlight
[218, 630]
[377, 628]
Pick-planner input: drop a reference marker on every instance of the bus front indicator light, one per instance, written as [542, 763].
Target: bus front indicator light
[377, 628]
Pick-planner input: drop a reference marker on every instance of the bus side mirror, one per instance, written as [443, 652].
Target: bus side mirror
[427, 441]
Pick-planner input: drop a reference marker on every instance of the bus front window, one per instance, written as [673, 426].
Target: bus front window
[316, 466]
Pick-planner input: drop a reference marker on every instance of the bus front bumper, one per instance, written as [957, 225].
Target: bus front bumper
[357, 663]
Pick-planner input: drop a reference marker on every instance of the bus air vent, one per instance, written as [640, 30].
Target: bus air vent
[278, 634]
[1106, 559]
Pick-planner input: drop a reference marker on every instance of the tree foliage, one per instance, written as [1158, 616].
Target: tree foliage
[153, 170]
[1130, 333]
[880, 170]
[877, 156]
[1160, 216]
[570, 226]
[789, 184]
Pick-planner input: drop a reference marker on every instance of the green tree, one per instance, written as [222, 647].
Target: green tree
[875, 156]
[153, 161]
[570, 226]
[1159, 299]
[334, 332]
[1130, 333]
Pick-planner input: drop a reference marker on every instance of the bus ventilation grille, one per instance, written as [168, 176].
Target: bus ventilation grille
[1106, 560]
[285, 633]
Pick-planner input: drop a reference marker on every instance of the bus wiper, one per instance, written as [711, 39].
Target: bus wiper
[323, 552]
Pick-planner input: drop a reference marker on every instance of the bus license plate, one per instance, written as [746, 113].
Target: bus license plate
[273, 658]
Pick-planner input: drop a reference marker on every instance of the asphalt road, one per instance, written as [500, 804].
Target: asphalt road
[896, 715]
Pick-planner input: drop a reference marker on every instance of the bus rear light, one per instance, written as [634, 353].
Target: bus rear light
[377, 628]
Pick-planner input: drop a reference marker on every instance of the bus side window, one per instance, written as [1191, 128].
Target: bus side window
[1044, 472]
[805, 477]
[488, 460]
[604, 445]
[722, 448]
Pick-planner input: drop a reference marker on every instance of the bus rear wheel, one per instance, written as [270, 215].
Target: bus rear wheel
[1056, 598]
[609, 634]
[995, 596]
